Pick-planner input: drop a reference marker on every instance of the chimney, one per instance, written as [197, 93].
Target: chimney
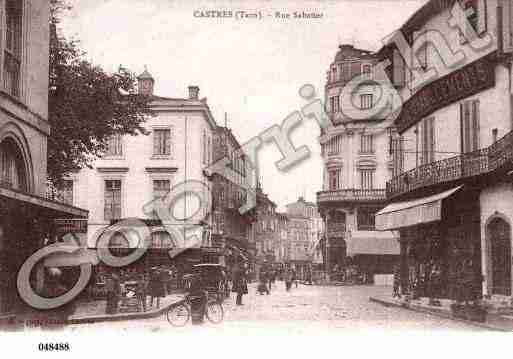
[193, 92]
[145, 83]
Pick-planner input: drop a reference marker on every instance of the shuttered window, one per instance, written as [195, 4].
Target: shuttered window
[367, 178]
[366, 101]
[469, 115]
[162, 142]
[115, 145]
[334, 179]
[112, 200]
[367, 143]
[427, 129]
[13, 46]
[399, 71]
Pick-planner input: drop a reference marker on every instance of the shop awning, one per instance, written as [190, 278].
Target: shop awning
[409, 213]
[57, 208]
[372, 245]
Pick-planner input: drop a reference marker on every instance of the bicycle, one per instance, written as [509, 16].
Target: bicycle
[180, 314]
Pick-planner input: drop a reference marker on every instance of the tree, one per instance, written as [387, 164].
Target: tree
[86, 104]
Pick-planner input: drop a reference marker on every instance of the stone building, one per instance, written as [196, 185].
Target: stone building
[137, 170]
[357, 163]
[26, 215]
[232, 230]
[452, 191]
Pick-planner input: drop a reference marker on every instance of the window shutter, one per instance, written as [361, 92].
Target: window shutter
[432, 139]
[155, 142]
[398, 68]
[475, 124]
[482, 20]
[504, 13]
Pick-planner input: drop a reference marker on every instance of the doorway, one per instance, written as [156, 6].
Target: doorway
[500, 250]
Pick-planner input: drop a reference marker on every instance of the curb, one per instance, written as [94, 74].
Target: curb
[437, 313]
[123, 316]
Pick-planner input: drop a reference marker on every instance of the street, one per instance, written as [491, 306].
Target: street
[303, 309]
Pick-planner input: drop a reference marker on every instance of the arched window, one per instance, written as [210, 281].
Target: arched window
[12, 167]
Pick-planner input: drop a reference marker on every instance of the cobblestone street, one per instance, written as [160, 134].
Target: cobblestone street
[304, 309]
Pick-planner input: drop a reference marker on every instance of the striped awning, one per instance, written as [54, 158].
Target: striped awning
[410, 213]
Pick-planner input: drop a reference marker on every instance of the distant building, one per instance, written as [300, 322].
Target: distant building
[305, 228]
[357, 164]
[232, 230]
[267, 230]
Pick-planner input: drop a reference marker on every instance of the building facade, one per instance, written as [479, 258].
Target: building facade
[305, 227]
[138, 170]
[232, 230]
[452, 191]
[357, 164]
[26, 214]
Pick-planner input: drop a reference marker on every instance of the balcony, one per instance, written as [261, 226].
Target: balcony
[351, 195]
[480, 162]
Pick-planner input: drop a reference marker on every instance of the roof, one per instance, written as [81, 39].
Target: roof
[347, 52]
[145, 75]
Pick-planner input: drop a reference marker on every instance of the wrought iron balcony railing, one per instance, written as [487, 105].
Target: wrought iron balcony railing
[466, 165]
[351, 195]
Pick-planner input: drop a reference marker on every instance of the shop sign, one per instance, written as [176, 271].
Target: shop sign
[467, 81]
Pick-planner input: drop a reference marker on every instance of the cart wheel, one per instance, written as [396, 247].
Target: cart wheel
[178, 315]
[215, 312]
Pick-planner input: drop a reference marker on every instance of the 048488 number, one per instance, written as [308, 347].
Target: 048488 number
[51, 347]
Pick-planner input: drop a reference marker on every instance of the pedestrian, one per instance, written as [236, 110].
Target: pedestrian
[54, 287]
[294, 277]
[240, 285]
[141, 291]
[157, 287]
[262, 285]
[113, 287]
[397, 282]
[288, 277]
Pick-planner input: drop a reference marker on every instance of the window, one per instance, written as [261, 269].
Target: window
[367, 178]
[209, 151]
[12, 50]
[367, 71]
[469, 114]
[367, 145]
[204, 150]
[162, 142]
[365, 218]
[334, 179]
[334, 104]
[67, 192]
[161, 188]
[399, 71]
[476, 19]
[115, 146]
[366, 101]
[334, 74]
[12, 169]
[112, 200]
[346, 71]
[427, 140]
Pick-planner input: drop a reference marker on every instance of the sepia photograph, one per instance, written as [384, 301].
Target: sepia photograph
[255, 169]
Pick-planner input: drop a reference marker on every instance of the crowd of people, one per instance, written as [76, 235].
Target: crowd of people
[155, 284]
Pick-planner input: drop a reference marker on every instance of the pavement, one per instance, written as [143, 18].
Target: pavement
[307, 309]
[94, 311]
[494, 321]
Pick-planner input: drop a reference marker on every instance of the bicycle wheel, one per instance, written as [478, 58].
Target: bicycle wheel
[214, 312]
[178, 315]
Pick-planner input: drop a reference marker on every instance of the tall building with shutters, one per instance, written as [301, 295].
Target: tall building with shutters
[357, 164]
[27, 214]
[451, 193]
[135, 170]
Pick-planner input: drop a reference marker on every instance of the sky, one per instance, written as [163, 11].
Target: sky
[250, 69]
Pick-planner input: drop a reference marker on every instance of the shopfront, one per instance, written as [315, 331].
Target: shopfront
[440, 243]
